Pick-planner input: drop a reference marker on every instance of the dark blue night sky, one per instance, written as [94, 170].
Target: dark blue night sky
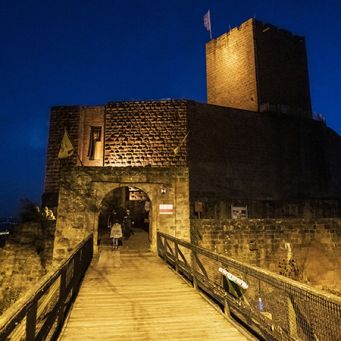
[90, 52]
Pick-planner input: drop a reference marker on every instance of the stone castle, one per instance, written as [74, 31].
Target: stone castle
[253, 150]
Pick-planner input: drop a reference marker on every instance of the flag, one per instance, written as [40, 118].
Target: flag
[66, 147]
[177, 149]
[207, 21]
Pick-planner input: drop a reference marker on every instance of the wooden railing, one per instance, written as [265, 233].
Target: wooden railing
[40, 313]
[272, 306]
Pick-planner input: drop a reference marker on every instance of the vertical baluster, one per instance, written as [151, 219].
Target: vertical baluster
[176, 256]
[195, 281]
[164, 251]
[292, 324]
[76, 272]
[227, 310]
[31, 320]
[62, 295]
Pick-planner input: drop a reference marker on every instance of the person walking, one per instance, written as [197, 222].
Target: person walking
[115, 233]
[127, 225]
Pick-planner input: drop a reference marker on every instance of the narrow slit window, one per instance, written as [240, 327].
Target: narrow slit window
[94, 143]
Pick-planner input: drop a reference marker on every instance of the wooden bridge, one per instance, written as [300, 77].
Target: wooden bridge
[129, 294]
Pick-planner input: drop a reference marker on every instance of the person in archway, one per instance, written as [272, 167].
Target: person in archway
[127, 225]
[112, 218]
[115, 233]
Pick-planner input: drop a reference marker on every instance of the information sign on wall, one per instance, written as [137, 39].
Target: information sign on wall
[198, 207]
[137, 196]
[239, 212]
[166, 209]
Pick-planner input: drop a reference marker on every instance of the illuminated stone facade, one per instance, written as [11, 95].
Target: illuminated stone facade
[83, 189]
[133, 134]
[133, 147]
[258, 67]
[231, 154]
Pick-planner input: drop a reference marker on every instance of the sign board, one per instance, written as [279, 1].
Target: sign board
[137, 196]
[198, 207]
[233, 278]
[239, 212]
[166, 209]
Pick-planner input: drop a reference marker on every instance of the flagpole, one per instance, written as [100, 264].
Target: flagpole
[210, 24]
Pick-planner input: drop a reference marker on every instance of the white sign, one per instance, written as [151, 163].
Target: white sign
[137, 196]
[233, 278]
[238, 212]
[166, 209]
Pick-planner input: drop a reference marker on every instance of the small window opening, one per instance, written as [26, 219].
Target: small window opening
[94, 143]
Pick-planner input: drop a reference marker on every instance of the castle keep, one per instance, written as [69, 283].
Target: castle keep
[259, 67]
[253, 146]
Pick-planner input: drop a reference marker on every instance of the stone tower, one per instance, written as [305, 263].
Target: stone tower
[258, 67]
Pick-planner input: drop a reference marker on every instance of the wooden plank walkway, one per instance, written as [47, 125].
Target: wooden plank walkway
[133, 295]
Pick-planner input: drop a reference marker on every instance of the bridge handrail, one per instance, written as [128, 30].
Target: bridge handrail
[297, 321]
[45, 305]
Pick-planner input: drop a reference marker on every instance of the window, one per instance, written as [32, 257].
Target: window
[94, 143]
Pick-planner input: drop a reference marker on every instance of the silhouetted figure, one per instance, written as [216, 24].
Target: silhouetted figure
[113, 217]
[127, 225]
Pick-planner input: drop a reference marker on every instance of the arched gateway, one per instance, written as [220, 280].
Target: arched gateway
[131, 207]
[83, 191]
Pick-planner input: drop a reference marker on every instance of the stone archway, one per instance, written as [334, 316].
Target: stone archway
[119, 204]
[82, 190]
[101, 189]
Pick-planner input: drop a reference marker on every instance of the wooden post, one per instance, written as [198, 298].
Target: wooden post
[176, 256]
[62, 295]
[227, 310]
[31, 320]
[195, 281]
[292, 324]
[76, 272]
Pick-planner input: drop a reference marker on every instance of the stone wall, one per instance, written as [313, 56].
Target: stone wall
[240, 156]
[300, 208]
[61, 118]
[309, 251]
[282, 71]
[25, 258]
[145, 133]
[133, 134]
[230, 69]
[277, 165]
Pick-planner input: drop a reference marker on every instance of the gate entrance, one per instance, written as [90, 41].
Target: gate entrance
[131, 207]
[157, 200]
